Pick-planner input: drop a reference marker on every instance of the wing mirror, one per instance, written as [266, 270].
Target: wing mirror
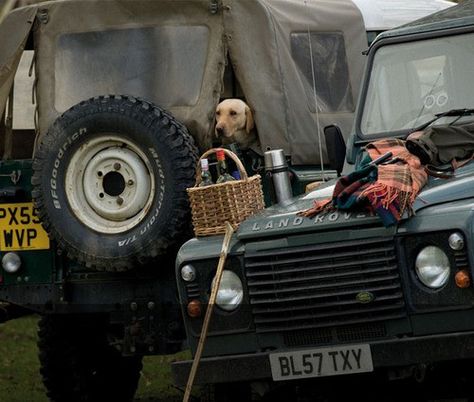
[335, 147]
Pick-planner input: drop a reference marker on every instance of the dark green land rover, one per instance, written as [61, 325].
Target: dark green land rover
[314, 298]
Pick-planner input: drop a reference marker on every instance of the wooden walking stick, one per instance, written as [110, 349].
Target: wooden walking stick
[212, 300]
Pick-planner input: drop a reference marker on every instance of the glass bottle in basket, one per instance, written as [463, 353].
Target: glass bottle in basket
[224, 174]
[206, 178]
[234, 147]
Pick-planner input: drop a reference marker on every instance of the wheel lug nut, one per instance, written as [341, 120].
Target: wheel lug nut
[99, 173]
[130, 182]
[119, 200]
[117, 166]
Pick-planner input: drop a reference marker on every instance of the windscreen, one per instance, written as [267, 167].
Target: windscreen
[153, 63]
[412, 82]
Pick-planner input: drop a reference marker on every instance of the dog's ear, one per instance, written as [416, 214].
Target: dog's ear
[249, 122]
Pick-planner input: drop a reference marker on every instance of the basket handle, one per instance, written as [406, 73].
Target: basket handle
[230, 154]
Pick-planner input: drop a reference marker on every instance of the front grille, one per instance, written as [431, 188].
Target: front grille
[461, 259]
[317, 286]
[321, 336]
[192, 290]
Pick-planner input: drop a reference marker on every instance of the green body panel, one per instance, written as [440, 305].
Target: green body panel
[9, 167]
[304, 175]
[278, 220]
[37, 266]
[445, 313]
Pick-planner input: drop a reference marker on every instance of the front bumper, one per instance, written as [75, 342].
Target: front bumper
[391, 353]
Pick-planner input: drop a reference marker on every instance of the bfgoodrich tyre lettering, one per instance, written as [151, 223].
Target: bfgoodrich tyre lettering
[57, 162]
[110, 179]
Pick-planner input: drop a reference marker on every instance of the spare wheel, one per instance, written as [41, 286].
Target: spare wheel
[110, 179]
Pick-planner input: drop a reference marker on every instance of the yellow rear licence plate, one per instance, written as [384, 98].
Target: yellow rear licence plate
[20, 228]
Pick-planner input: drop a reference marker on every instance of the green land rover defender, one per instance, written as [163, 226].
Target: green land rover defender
[305, 300]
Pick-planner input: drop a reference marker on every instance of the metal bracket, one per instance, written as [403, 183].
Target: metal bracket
[14, 176]
[214, 6]
[140, 328]
[43, 15]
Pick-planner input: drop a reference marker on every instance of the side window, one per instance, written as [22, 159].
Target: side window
[330, 69]
[163, 64]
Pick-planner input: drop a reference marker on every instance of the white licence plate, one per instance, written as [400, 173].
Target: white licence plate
[321, 362]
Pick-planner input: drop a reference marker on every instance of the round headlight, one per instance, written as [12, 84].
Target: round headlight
[188, 273]
[456, 241]
[230, 293]
[432, 267]
[11, 262]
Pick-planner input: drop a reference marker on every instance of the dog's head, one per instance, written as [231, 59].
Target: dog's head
[233, 116]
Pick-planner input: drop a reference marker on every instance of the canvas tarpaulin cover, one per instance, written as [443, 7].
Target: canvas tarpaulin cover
[299, 63]
[271, 49]
[14, 32]
[168, 52]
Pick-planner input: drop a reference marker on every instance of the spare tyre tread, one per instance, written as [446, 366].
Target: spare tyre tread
[184, 159]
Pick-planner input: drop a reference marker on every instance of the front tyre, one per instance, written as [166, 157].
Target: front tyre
[79, 365]
[110, 179]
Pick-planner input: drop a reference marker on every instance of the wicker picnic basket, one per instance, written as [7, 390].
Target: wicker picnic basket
[232, 201]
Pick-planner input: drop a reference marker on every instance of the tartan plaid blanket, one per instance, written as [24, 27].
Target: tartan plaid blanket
[388, 189]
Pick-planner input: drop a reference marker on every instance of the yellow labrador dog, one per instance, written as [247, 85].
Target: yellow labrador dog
[234, 123]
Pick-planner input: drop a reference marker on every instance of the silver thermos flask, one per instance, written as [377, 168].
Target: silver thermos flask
[277, 169]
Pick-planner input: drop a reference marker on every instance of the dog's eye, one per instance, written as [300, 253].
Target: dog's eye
[233, 112]
[218, 113]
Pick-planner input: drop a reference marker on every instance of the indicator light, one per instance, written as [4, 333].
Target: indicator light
[463, 280]
[194, 308]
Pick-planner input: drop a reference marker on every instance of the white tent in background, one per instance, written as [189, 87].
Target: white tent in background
[380, 15]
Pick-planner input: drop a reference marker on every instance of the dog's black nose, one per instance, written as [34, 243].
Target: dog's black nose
[220, 130]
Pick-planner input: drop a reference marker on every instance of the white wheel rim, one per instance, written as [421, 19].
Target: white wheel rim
[110, 184]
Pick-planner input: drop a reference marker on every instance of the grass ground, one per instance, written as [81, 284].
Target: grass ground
[20, 380]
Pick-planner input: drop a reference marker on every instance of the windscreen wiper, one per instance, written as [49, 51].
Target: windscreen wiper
[452, 112]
